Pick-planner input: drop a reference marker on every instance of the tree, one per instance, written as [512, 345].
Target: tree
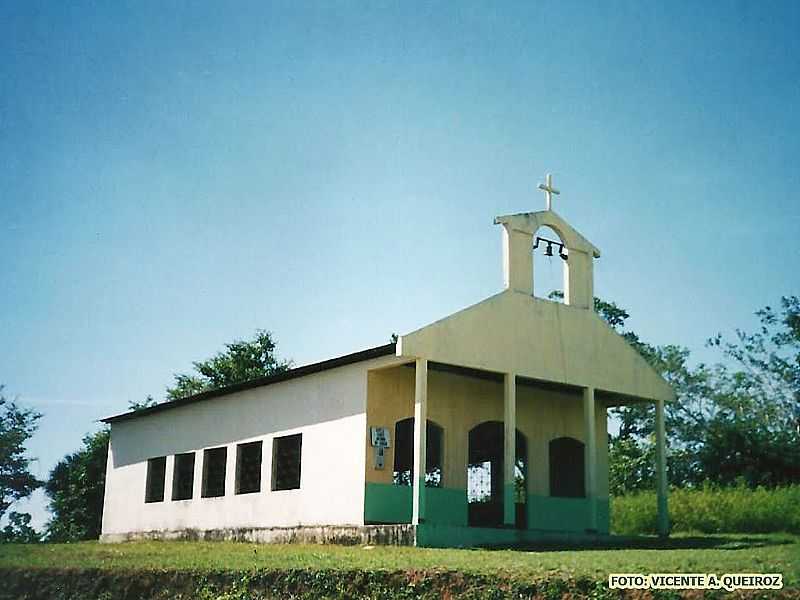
[18, 529]
[148, 402]
[755, 432]
[631, 464]
[76, 487]
[769, 363]
[241, 361]
[17, 425]
[731, 422]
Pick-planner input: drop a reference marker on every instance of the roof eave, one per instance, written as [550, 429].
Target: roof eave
[298, 372]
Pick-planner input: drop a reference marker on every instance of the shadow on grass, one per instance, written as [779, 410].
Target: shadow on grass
[697, 542]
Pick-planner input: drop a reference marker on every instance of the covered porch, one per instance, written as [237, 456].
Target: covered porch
[507, 458]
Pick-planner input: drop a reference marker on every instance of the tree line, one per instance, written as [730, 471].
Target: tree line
[736, 421]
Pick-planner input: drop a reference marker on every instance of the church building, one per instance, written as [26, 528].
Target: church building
[488, 426]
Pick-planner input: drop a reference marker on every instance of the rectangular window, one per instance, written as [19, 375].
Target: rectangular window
[156, 474]
[286, 462]
[183, 477]
[248, 468]
[214, 463]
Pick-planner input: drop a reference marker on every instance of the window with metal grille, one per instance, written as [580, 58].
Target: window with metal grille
[183, 477]
[248, 468]
[286, 462]
[156, 474]
[214, 460]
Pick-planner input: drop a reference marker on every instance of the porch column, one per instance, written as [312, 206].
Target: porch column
[590, 454]
[661, 471]
[420, 442]
[509, 447]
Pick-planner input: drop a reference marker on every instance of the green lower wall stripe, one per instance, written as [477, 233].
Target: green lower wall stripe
[386, 503]
[449, 536]
[446, 506]
[566, 514]
[509, 508]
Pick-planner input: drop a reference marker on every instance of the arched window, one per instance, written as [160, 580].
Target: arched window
[567, 468]
[403, 473]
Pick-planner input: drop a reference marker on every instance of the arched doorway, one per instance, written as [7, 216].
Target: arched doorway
[485, 476]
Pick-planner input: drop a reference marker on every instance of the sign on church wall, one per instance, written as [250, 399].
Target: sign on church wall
[380, 441]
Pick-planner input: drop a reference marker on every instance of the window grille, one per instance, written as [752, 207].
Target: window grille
[183, 478]
[286, 462]
[214, 466]
[156, 474]
[248, 468]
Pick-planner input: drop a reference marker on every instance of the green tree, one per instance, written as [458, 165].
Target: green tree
[76, 487]
[755, 432]
[768, 364]
[19, 530]
[739, 420]
[732, 421]
[240, 361]
[148, 402]
[17, 425]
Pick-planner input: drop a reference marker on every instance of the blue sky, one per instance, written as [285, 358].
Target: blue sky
[175, 177]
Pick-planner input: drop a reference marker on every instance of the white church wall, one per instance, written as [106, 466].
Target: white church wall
[327, 408]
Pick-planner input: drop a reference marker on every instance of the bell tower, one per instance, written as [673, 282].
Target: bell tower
[519, 235]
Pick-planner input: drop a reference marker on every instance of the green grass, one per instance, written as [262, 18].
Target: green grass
[713, 554]
[711, 510]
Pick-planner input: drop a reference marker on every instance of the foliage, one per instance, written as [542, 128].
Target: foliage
[755, 432]
[631, 464]
[17, 425]
[76, 488]
[141, 405]
[19, 530]
[770, 360]
[729, 421]
[241, 361]
[711, 509]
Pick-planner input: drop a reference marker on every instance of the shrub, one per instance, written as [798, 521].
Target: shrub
[711, 509]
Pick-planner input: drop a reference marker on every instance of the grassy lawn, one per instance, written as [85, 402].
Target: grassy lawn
[688, 554]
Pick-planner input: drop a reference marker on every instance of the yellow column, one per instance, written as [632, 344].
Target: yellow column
[661, 471]
[420, 442]
[509, 447]
[590, 454]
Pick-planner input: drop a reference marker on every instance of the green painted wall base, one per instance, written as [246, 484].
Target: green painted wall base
[445, 509]
[384, 503]
[446, 506]
[387, 503]
[447, 536]
[566, 514]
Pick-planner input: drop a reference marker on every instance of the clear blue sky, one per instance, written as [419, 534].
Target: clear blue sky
[176, 176]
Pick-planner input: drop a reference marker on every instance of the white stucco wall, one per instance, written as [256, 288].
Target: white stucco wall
[328, 408]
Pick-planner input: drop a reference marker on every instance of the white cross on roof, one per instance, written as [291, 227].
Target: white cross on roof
[549, 190]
